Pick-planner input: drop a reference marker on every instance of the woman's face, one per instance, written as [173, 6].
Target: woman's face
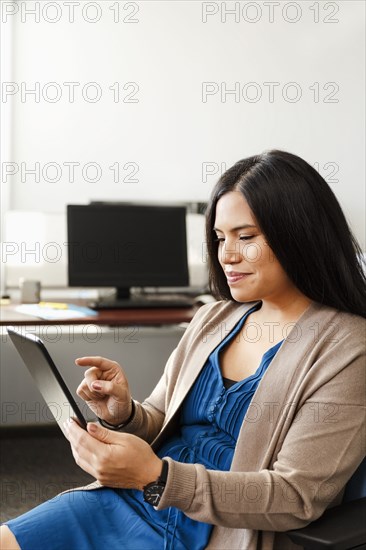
[251, 268]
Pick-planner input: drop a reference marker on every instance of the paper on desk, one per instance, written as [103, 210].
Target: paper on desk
[53, 313]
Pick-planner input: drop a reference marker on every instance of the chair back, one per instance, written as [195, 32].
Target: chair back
[356, 486]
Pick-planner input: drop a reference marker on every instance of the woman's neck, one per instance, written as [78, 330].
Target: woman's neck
[286, 310]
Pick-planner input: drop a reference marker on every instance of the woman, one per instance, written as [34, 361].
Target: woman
[255, 426]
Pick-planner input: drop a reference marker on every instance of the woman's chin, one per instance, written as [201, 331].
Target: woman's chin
[240, 296]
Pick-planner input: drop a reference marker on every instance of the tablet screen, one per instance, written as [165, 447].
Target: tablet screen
[47, 377]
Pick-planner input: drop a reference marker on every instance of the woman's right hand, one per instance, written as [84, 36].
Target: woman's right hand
[105, 389]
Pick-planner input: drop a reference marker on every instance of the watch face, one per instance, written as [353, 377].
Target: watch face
[153, 492]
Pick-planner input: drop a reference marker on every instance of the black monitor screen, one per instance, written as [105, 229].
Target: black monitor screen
[127, 245]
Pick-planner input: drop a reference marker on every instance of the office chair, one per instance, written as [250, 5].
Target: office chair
[342, 527]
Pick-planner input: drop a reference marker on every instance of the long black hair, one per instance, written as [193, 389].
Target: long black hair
[303, 224]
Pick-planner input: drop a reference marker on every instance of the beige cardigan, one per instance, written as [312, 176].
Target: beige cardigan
[301, 440]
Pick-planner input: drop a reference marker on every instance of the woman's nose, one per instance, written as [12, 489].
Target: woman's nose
[230, 253]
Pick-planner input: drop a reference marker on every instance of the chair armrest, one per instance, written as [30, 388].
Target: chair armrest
[339, 528]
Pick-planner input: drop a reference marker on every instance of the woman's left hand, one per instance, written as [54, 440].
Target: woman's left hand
[115, 459]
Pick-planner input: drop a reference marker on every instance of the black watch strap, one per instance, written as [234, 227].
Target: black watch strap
[164, 472]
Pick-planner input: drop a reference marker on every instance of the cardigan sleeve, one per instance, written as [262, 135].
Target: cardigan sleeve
[321, 448]
[149, 416]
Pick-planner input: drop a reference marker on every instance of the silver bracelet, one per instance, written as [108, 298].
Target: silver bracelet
[106, 424]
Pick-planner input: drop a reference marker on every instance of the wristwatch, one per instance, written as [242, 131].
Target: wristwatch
[154, 491]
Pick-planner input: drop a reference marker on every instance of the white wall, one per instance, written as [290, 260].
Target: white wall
[169, 134]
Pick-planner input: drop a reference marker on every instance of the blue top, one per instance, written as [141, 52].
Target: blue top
[211, 418]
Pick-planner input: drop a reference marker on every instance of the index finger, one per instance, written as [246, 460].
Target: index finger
[95, 361]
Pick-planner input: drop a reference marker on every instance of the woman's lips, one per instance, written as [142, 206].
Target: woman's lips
[233, 277]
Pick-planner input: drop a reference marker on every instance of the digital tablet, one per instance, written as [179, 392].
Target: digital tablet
[47, 377]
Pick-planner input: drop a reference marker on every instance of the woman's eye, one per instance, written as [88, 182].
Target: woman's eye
[221, 240]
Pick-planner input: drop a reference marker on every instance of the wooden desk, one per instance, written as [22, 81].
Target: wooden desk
[109, 317]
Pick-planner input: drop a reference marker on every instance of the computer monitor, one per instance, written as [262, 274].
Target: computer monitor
[127, 245]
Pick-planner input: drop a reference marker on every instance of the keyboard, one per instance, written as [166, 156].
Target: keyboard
[145, 303]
